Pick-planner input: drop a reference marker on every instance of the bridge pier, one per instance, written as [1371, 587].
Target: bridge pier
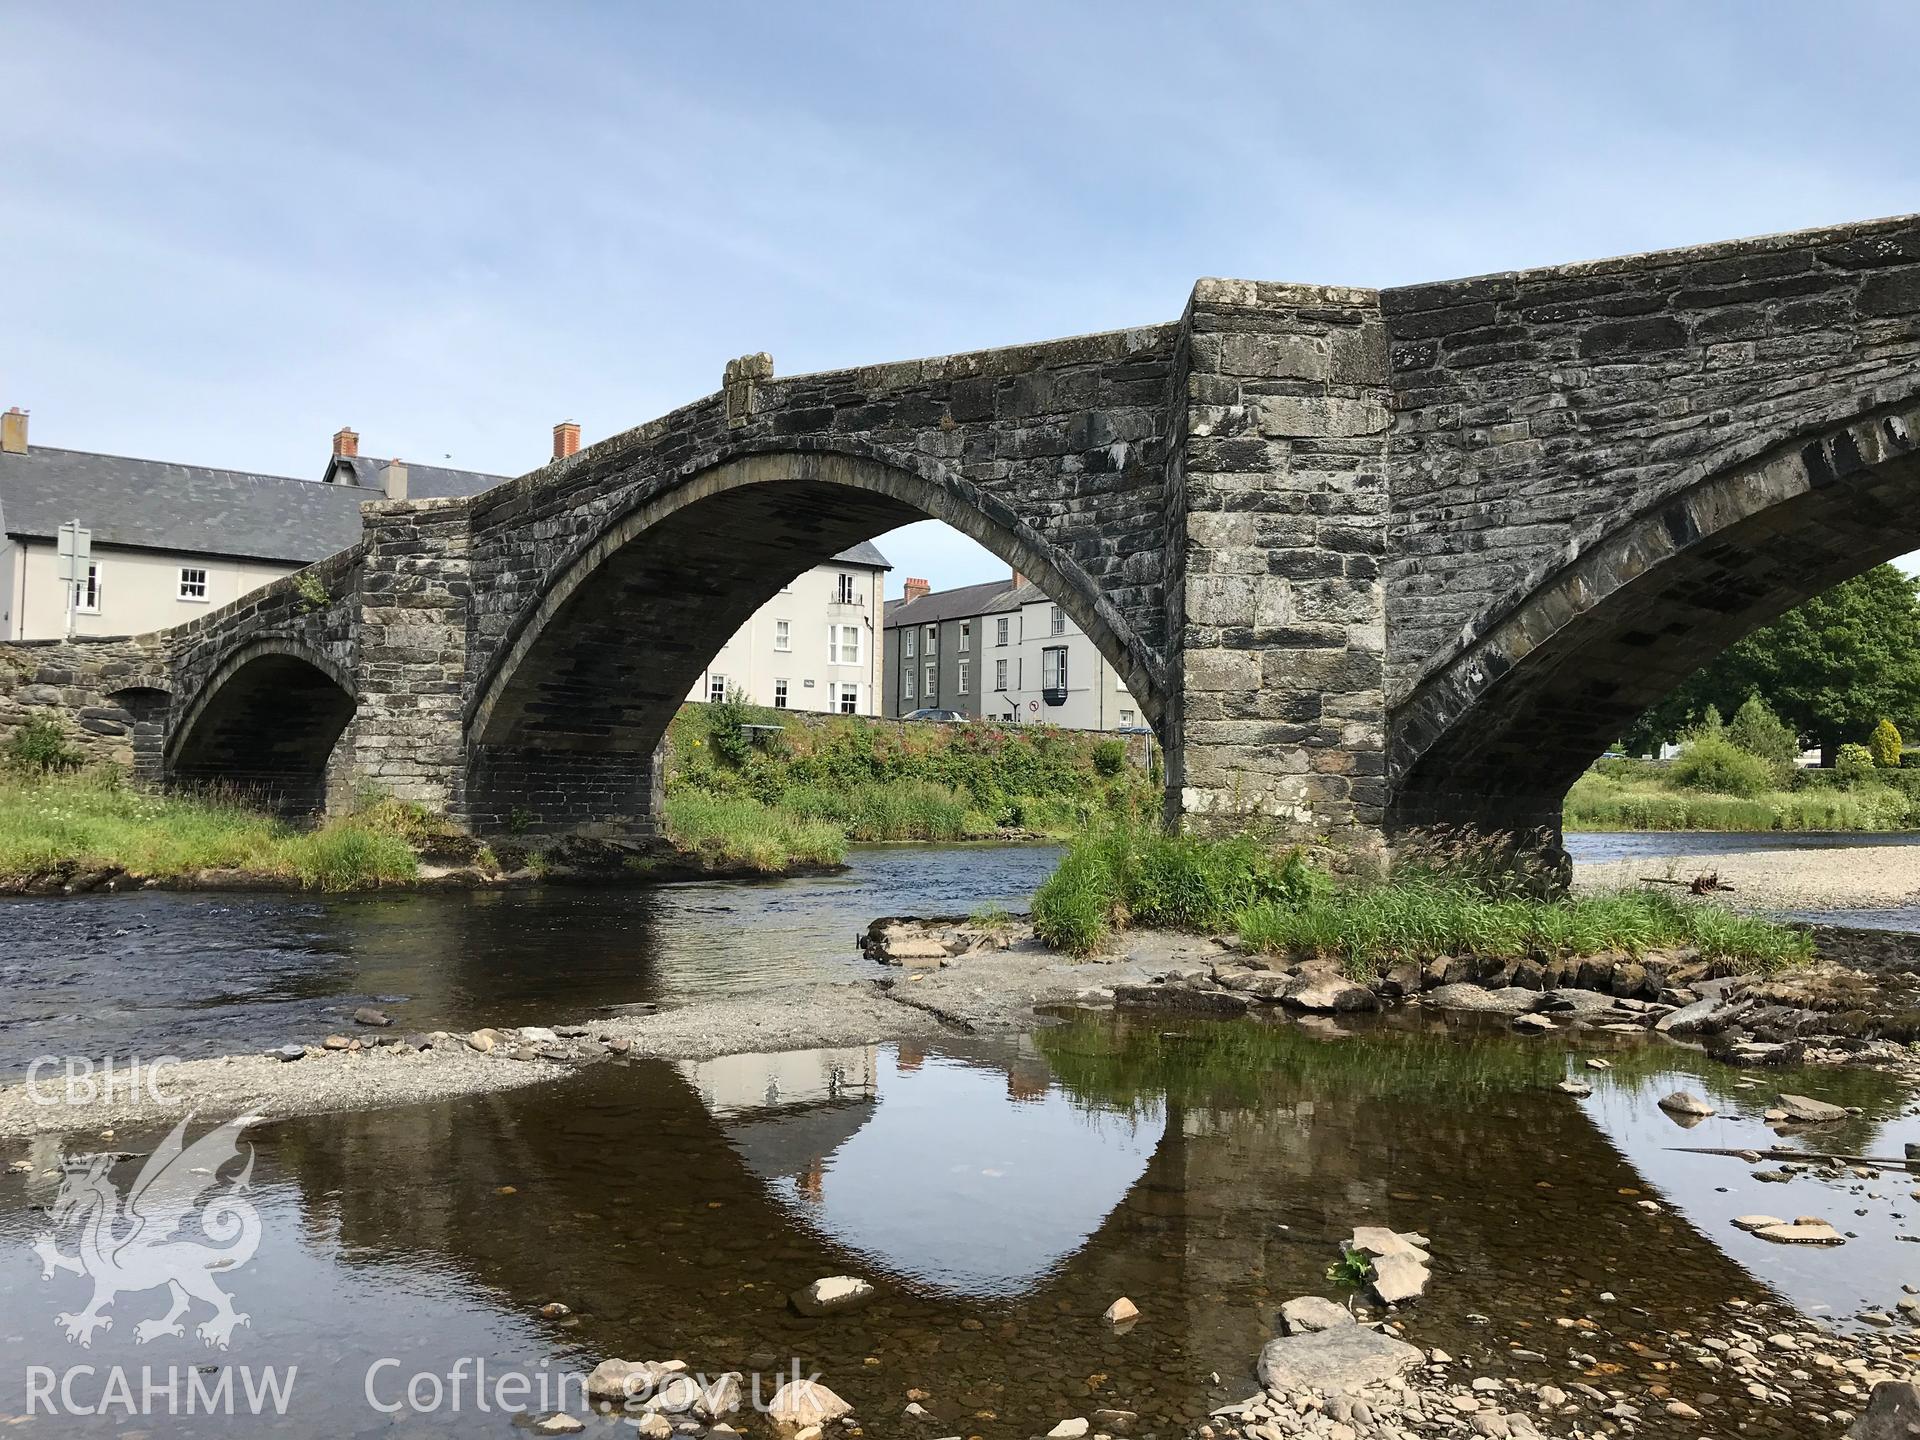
[1279, 718]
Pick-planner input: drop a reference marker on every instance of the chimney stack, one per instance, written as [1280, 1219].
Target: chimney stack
[346, 442]
[394, 477]
[13, 432]
[566, 439]
[916, 587]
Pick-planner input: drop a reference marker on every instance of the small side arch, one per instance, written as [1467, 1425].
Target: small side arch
[265, 723]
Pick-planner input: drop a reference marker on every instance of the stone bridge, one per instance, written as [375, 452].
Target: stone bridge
[1368, 559]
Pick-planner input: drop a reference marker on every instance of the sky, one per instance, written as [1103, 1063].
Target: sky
[226, 230]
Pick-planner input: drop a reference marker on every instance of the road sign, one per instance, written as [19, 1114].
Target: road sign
[1033, 704]
[75, 552]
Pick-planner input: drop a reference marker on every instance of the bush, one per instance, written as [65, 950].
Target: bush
[1109, 757]
[727, 725]
[40, 746]
[1854, 766]
[1711, 761]
[1885, 744]
[1758, 731]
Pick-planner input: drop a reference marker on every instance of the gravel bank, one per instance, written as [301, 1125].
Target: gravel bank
[1852, 877]
[977, 993]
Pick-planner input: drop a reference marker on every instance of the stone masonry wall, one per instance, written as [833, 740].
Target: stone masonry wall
[1280, 712]
[1059, 444]
[109, 694]
[406, 738]
[1534, 412]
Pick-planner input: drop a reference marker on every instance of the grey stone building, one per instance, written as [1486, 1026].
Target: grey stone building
[933, 648]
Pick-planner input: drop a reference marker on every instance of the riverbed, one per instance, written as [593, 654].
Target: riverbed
[1000, 1190]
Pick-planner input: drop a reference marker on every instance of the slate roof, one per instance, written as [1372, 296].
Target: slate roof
[159, 505]
[1018, 595]
[424, 482]
[938, 605]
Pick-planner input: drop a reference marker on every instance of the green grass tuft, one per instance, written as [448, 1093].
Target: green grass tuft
[741, 831]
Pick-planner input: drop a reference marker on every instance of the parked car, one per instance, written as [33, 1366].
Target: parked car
[935, 714]
[1133, 730]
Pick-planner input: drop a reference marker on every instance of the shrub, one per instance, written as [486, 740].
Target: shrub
[727, 728]
[1885, 744]
[1758, 731]
[1110, 756]
[40, 745]
[1854, 766]
[1710, 761]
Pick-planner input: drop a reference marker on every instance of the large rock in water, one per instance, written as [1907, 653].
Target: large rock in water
[1810, 1112]
[835, 1292]
[1330, 1361]
[1892, 1413]
[800, 1403]
[1328, 992]
[1310, 1314]
[1399, 1278]
[1464, 996]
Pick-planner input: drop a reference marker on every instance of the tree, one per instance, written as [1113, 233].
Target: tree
[1830, 668]
[1885, 744]
[1758, 731]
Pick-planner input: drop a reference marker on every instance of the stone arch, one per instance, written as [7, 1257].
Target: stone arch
[1498, 734]
[580, 689]
[266, 723]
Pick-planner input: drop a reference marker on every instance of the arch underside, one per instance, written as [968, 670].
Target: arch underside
[563, 735]
[266, 729]
[1498, 738]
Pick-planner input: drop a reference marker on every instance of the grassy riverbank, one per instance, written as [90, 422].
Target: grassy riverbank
[1278, 903]
[92, 821]
[1645, 799]
[879, 780]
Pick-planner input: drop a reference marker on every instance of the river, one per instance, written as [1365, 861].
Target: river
[1000, 1191]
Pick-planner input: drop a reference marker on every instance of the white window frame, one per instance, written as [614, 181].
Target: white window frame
[906, 683]
[966, 636]
[783, 635]
[846, 699]
[1057, 621]
[779, 692]
[962, 677]
[1126, 717]
[87, 600]
[1000, 628]
[929, 680]
[1057, 656]
[846, 590]
[933, 639]
[911, 634]
[185, 591]
[1000, 676]
[716, 688]
[837, 634]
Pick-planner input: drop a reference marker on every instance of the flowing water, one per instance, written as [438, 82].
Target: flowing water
[1000, 1192]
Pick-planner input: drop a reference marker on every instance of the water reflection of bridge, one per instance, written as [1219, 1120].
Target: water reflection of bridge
[675, 1208]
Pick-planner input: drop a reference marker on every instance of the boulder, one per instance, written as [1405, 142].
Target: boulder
[1070, 1429]
[1892, 1413]
[834, 1293]
[1804, 1231]
[1328, 993]
[1378, 1240]
[1310, 1314]
[1510, 1001]
[623, 1379]
[1752, 1223]
[1533, 1024]
[559, 1423]
[367, 1015]
[800, 1403]
[1345, 1358]
[1399, 1278]
[1690, 1018]
[1115, 1422]
[1801, 1110]
[1121, 1311]
[720, 1399]
[913, 948]
[1683, 1102]
[290, 1052]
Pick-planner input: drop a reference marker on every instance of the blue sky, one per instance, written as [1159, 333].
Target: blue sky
[228, 229]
